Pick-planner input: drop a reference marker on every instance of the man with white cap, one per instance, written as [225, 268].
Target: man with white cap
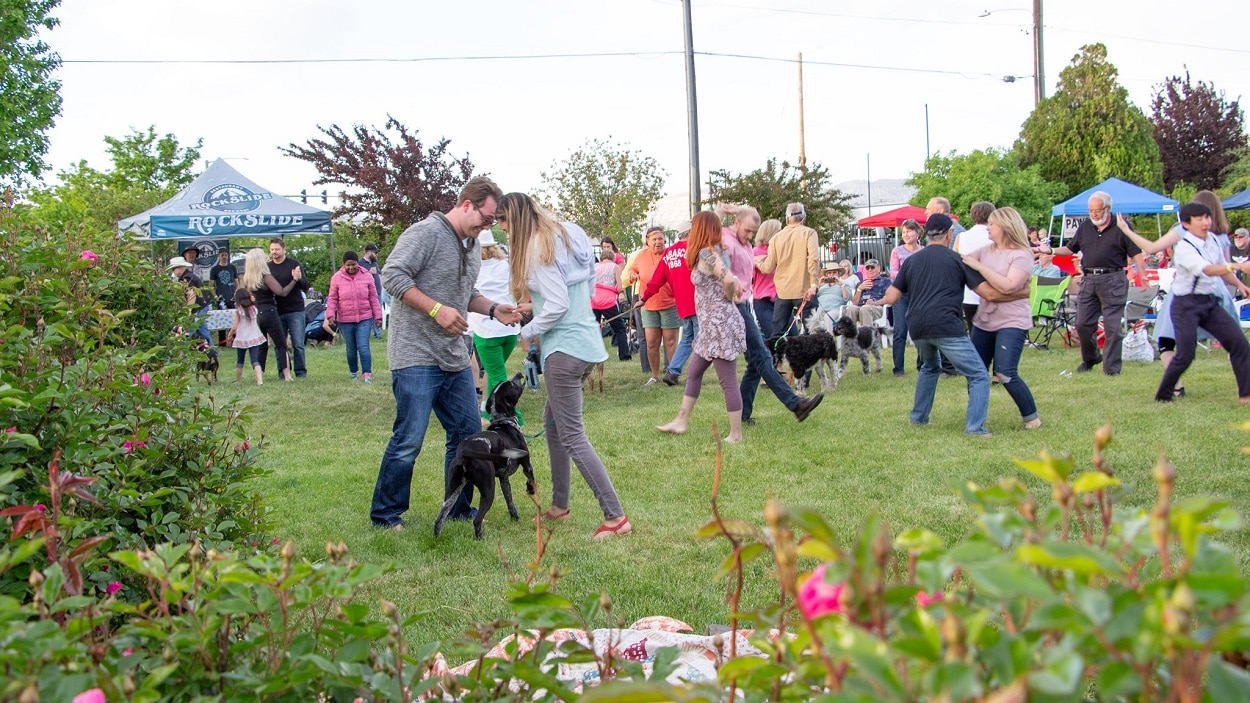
[794, 260]
[180, 270]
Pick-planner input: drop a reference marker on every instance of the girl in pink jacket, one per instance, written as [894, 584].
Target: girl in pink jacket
[352, 305]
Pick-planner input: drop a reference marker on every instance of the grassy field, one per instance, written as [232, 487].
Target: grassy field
[857, 453]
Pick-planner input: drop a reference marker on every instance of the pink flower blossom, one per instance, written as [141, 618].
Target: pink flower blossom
[93, 695]
[156, 391]
[113, 587]
[89, 255]
[127, 652]
[924, 600]
[40, 507]
[275, 540]
[11, 429]
[245, 445]
[145, 380]
[817, 598]
[128, 446]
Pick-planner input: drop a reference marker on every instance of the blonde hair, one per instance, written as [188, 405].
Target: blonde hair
[766, 231]
[255, 268]
[532, 235]
[493, 251]
[1013, 226]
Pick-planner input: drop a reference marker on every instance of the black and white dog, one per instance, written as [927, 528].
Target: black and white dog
[208, 366]
[815, 350]
[858, 342]
[493, 453]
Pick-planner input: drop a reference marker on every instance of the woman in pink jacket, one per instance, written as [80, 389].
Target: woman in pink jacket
[352, 304]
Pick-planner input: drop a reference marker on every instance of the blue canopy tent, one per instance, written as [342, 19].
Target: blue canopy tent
[1240, 201]
[1126, 198]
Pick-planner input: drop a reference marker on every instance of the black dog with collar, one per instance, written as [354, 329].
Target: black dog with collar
[494, 453]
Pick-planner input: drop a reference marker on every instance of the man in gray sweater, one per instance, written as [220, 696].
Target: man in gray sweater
[432, 274]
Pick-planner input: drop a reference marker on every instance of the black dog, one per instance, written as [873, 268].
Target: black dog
[208, 367]
[803, 353]
[858, 342]
[493, 453]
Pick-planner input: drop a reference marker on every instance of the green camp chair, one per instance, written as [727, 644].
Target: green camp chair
[1050, 311]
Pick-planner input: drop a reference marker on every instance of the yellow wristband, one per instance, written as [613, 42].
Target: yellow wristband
[434, 310]
[1231, 268]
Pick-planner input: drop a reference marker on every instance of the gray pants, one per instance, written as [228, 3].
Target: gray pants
[566, 435]
[1102, 296]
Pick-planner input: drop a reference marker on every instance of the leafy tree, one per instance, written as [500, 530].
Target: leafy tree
[390, 179]
[771, 188]
[605, 187]
[1088, 131]
[30, 98]
[994, 175]
[1199, 133]
[147, 170]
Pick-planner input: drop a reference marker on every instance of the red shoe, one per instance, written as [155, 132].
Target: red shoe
[623, 528]
[551, 514]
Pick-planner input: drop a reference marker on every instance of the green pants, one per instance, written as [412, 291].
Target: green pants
[492, 354]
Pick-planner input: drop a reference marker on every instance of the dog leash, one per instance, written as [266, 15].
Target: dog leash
[541, 432]
[798, 315]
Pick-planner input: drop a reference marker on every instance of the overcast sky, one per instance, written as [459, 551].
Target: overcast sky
[515, 116]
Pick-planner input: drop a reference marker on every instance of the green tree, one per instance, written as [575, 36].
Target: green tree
[605, 187]
[30, 98]
[771, 188]
[1088, 131]
[994, 175]
[1199, 133]
[147, 170]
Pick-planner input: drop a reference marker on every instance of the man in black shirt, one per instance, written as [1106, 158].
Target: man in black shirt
[224, 276]
[291, 306]
[1105, 252]
[934, 279]
[369, 262]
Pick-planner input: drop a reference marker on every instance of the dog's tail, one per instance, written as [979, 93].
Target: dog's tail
[446, 509]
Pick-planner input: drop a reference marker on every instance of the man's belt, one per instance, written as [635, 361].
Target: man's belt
[1099, 272]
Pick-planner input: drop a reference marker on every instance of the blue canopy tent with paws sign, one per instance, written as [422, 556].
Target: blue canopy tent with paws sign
[1126, 199]
[221, 202]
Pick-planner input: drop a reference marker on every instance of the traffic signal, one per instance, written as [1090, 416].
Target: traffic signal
[324, 198]
[303, 196]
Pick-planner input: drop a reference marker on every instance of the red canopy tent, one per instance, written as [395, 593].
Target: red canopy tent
[895, 217]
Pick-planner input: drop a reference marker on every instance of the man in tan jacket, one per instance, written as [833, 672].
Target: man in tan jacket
[794, 259]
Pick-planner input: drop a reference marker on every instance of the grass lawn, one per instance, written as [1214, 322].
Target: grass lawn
[855, 454]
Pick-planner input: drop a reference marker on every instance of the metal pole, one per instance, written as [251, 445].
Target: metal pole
[927, 151]
[802, 132]
[870, 184]
[696, 198]
[1039, 78]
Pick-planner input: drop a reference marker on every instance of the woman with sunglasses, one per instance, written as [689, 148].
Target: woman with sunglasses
[553, 265]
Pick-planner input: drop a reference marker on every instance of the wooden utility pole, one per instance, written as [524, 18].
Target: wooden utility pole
[802, 131]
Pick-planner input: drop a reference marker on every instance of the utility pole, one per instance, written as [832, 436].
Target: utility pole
[802, 132]
[927, 151]
[1039, 78]
[692, 116]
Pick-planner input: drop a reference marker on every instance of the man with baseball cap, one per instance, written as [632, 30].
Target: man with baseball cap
[934, 281]
[866, 306]
[794, 259]
[369, 262]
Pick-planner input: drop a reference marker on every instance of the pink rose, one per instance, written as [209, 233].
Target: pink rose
[275, 540]
[245, 445]
[145, 380]
[924, 600]
[40, 507]
[113, 587]
[817, 598]
[93, 695]
[11, 429]
[127, 652]
[89, 255]
[128, 446]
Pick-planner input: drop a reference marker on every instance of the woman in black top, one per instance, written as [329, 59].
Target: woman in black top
[264, 287]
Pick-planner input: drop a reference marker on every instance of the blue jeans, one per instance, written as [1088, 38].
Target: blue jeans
[760, 365]
[1004, 348]
[294, 324]
[960, 352]
[899, 311]
[764, 316]
[418, 390]
[689, 328]
[356, 335]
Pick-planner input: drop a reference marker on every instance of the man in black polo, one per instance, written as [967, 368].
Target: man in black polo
[1105, 252]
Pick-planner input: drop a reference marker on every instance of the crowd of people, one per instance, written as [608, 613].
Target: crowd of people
[717, 293]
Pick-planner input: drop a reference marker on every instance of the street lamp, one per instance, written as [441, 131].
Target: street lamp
[1039, 78]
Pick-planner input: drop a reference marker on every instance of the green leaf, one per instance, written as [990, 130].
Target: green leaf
[1007, 579]
[1070, 556]
[1093, 481]
[1060, 674]
[1226, 683]
[1118, 681]
[918, 541]
[630, 692]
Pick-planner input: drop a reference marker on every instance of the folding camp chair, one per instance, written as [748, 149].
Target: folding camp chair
[1050, 310]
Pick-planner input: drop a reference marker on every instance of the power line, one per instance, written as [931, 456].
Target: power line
[518, 57]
